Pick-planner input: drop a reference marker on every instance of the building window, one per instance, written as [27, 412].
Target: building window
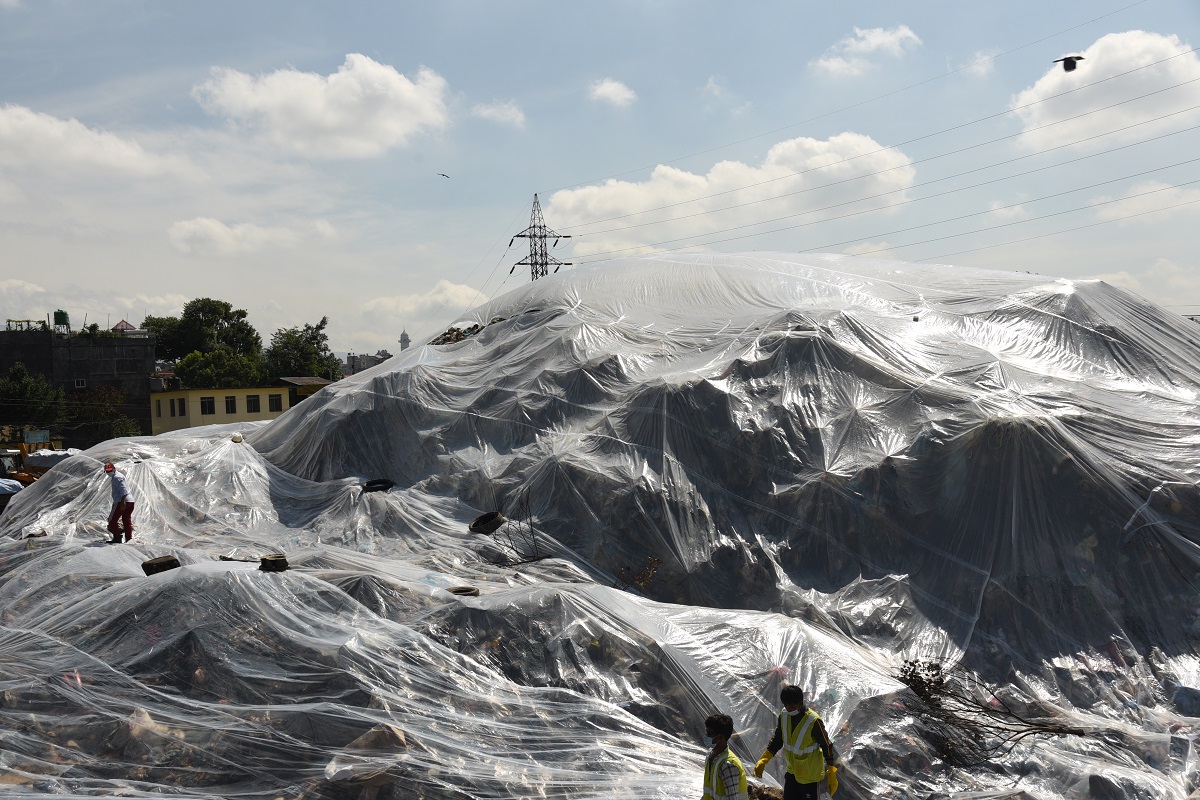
[275, 402]
[208, 405]
[158, 408]
[172, 406]
[251, 404]
[182, 407]
[81, 383]
[230, 404]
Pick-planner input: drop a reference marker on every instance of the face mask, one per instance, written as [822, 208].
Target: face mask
[708, 742]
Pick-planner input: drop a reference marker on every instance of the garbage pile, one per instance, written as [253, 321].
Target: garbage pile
[728, 473]
[455, 334]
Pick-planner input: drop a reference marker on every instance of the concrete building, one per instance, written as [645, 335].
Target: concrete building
[357, 363]
[188, 408]
[77, 361]
[175, 409]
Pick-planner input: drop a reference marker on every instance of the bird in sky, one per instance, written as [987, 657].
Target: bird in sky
[444, 175]
[1068, 62]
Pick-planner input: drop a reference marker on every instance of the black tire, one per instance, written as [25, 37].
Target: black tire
[464, 591]
[488, 523]
[160, 564]
[273, 563]
[378, 485]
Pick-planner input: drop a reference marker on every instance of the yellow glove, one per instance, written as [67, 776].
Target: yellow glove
[831, 779]
[762, 763]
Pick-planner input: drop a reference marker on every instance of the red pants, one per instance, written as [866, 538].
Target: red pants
[121, 513]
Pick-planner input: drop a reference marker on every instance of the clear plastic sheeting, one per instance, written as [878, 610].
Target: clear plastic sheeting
[46, 459]
[719, 474]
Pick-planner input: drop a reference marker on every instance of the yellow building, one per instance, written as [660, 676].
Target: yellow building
[188, 408]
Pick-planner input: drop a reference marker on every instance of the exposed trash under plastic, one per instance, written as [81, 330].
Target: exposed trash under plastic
[643, 492]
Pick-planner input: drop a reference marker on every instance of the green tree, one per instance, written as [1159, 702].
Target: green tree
[213, 344]
[204, 325]
[166, 337]
[220, 368]
[301, 352]
[27, 399]
[98, 414]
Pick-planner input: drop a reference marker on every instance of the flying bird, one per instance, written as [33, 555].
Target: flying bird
[1068, 62]
[444, 175]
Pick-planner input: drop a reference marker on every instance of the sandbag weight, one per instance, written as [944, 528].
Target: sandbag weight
[160, 564]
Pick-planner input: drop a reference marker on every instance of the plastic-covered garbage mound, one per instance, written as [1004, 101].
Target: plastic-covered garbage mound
[529, 562]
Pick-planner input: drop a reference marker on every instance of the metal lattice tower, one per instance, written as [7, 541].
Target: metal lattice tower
[537, 233]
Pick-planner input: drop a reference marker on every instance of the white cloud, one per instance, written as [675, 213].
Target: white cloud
[982, 64]
[503, 113]
[16, 286]
[1007, 211]
[870, 249]
[840, 66]
[720, 97]
[714, 89]
[1149, 196]
[30, 140]
[772, 188]
[23, 300]
[411, 310]
[1111, 55]
[167, 304]
[10, 3]
[889, 41]
[211, 237]
[849, 57]
[612, 92]
[1163, 281]
[362, 110]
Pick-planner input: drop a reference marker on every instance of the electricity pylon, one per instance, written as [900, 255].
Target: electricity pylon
[537, 233]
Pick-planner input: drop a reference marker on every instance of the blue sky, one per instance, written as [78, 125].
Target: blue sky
[284, 156]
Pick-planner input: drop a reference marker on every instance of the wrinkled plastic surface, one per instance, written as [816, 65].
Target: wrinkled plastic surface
[721, 474]
[46, 459]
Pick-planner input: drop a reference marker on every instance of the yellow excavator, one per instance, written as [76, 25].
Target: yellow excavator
[12, 465]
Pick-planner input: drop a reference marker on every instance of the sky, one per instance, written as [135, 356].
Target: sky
[370, 162]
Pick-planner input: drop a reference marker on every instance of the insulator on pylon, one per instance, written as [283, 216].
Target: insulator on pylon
[537, 233]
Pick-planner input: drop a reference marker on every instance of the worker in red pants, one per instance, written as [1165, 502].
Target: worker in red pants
[122, 508]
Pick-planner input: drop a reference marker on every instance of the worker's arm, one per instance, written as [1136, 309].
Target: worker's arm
[822, 739]
[776, 739]
[772, 748]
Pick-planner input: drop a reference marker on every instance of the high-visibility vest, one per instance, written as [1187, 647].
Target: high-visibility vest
[712, 775]
[804, 757]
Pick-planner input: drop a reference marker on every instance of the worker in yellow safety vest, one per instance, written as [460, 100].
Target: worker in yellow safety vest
[811, 759]
[724, 775]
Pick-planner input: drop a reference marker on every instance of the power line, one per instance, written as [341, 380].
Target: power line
[479, 263]
[1052, 233]
[926, 183]
[1014, 222]
[965, 216]
[856, 105]
[915, 139]
[906, 202]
